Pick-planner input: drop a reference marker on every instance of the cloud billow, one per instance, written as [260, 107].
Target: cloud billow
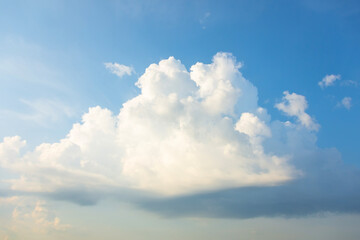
[187, 137]
[327, 185]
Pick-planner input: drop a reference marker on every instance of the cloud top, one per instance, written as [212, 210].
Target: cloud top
[189, 137]
[179, 136]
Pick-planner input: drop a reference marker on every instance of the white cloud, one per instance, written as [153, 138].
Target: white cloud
[26, 217]
[252, 126]
[329, 80]
[256, 129]
[350, 83]
[119, 69]
[204, 18]
[180, 135]
[186, 133]
[295, 105]
[345, 102]
[42, 111]
[35, 216]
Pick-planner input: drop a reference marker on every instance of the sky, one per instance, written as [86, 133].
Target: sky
[179, 119]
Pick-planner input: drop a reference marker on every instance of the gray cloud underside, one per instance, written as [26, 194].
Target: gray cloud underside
[325, 189]
[330, 186]
[322, 190]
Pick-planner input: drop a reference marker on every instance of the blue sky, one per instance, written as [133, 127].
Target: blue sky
[53, 57]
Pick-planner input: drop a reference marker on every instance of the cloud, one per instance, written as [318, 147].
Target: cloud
[345, 102]
[42, 111]
[182, 124]
[350, 83]
[29, 216]
[119, 69]
[295, 199]
[188, 136]
[295, 105]
[35, 216]
[40, 216]
[204, 18]
[328, 80]
[326, 185]
[252, 126]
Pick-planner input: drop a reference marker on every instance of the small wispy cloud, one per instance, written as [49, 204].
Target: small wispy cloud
[204, 18]
[119, 69]
[329, 80]
[350, 83]
[42, 111]
[345, 102]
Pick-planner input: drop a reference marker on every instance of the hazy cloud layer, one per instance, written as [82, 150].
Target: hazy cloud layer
[189, 133]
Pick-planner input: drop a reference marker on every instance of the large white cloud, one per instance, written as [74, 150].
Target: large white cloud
[186, 132]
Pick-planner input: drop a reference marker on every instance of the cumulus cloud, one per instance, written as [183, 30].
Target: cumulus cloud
[35, 216]
[186, 134]
[325, 185]
[27, 216]
[328, 80]
[177, 137]
[119, 69]
[345, 102]
[295, 105]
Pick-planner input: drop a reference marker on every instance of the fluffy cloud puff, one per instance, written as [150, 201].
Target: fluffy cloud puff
[345, 102]
[295, 105]
[328, 80]
[186, 132]
[119, 70]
